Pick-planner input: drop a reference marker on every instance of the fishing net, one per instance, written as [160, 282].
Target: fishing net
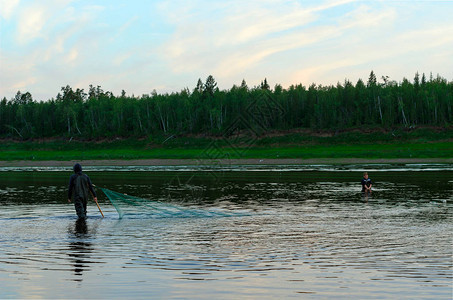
[131, 206]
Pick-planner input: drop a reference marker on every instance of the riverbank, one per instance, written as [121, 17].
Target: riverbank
[220, 162]
[434, 145]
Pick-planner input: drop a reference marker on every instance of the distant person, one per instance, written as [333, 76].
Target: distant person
[366, 183]
[79, 188]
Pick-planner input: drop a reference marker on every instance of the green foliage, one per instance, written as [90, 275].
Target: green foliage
[209, 111]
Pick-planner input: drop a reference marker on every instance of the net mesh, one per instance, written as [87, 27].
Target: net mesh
[132, 206]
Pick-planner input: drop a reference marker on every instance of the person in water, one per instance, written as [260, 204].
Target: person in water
[79, 187]
[366, 183]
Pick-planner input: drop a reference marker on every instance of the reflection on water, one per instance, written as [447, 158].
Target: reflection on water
[281, 234]
[79, 248]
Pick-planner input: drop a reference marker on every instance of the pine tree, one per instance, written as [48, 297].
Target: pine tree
[372, 80]
[199, 87]
[211, 85]
[417, 81]
[264, 84]
[244, 85]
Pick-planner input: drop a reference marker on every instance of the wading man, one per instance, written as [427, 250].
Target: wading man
[79, 188]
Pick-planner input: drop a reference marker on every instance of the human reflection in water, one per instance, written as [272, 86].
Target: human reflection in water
[80, 248]
[365, 197]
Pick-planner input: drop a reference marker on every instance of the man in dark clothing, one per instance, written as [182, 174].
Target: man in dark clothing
[366, 183]
[79, 187]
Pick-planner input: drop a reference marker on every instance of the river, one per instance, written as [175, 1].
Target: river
[237, 232]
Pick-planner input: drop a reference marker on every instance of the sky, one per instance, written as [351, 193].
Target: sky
[166, 46]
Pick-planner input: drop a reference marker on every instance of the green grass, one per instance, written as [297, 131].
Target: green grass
[421, 143]
[405, 150]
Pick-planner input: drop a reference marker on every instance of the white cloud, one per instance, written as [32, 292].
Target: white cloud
[245, 34]
[31, 23]
[51, 43]
[255, 53]
[7, 8]
[42, 20]
[72, 55]
[252, 23]
[397, 55]
[124, 27]
[15, 76]
[246, 38]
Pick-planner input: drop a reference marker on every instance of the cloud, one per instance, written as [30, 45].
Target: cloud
[245, 38]
[245, 34]
[72, 56]
[124, 27]
[245, 24]
[293, 41]
[7, 8]
[169, 44]
[49, 42]
[32, 21]
[398, 55]
[15, 76]
[40, 20]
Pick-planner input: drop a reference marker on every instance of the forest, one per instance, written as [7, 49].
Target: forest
[207, 110]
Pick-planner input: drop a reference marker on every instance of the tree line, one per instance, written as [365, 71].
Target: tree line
[208, 110]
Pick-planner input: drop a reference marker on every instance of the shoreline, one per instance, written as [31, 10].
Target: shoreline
[207, 162]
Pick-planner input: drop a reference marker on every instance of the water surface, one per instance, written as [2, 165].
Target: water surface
[280, 231]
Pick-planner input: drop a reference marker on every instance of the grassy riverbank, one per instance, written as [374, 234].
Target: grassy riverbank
[371, 151]
[376, 144]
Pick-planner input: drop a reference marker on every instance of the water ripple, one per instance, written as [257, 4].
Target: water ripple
[297, 237]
